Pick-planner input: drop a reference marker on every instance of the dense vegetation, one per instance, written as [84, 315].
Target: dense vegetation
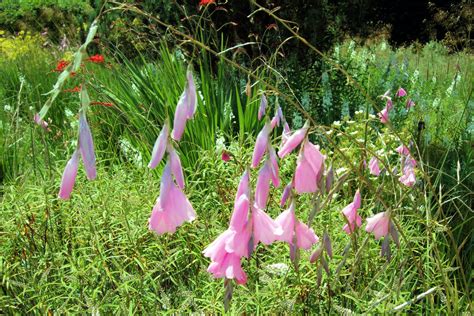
[95, 254]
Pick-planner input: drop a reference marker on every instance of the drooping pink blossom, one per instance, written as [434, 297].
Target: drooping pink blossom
[192, 95]
[176, 168]
[350, 212]
[408, 178]
[286, 194]
[403, 150]
[278, 118]
[172, 208]
[69, 176]
[38, 120]
[383, 115]
[309, 169]
[263, 185]
[292, 228]
[378, 224]
[262, 107]
[265, 229]
[410, 103]
[292, 142]
[261, 144]
[389, 104]
[285, 134]
[401, 93]
[374, 166]
[274, 166]
[186, 107]
[160, 147]
[86, 147]
[243, 187]
[229, 267]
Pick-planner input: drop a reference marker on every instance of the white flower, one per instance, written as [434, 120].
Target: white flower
[7, 107]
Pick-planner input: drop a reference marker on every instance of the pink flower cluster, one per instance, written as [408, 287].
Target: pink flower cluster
[408, 177]
[384, 114]
[172, 208]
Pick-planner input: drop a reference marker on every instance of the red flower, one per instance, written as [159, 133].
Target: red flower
[98, 59]
[62, 64]
[102, 103]
[206, 2]
[75, 89]
[225, 156]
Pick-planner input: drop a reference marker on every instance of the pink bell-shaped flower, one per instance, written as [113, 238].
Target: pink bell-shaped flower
[383, 115]
[176, 168]
[274, 166]
[265, 229]
[293, 228]
[374, 166]
[350, 212]
[160, 147]
[401, 93]
[186, 107]
[172, 208]
[263, 185]
[293, 141]
[69, 176]
[403, 150]
[86, 147]
[378, 224]
[261, 144]
[309, 169]
[229, 267]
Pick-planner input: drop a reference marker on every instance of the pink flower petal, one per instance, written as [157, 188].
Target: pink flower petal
[176, 168]
[86, 147]
[263, 185]
[265, 230]
[69, 176]
[261, 144]
[159, 147]
[292, 142]
[374, 166]
[378, 224]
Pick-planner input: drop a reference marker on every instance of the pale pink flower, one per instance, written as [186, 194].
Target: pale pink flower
[263, 185]
[383, 115]
[69, 176]
[274, 166]
[350, 212]
[401, 93]
[159, 147]
[172, 208]
[265, 229]
[309, 169]
[374, 166]
[410, 104]
[389, 104]
[243, 187]
[286, 194]
[403, 150]
[186, 107]
[41, 122]
[262, 107]
[285, 134]
[86, 147]
[229, 267]
[261, 144]
[408, 178]
[378, 224]
[176, 168]
[293, 141]
[293, 228]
